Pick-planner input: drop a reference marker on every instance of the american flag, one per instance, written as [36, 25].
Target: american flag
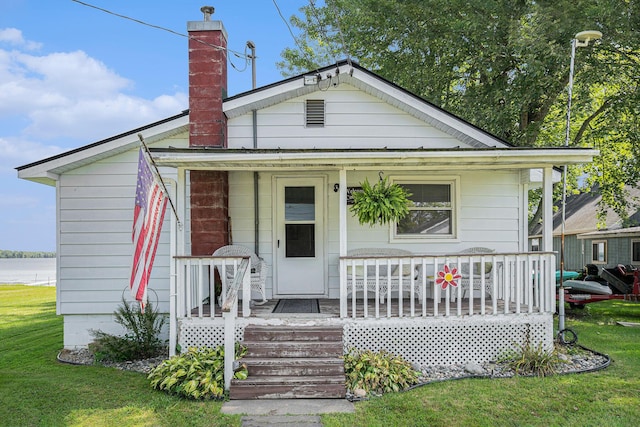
[151, 203]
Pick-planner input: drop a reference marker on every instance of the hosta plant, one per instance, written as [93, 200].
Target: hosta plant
[196, 374]
[380, 203]
[378, 372]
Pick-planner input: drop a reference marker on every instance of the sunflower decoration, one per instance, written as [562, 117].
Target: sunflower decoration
[448, 277]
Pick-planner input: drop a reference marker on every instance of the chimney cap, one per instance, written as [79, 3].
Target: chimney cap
[207, 11]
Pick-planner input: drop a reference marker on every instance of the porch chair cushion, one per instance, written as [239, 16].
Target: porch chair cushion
[382, 271]
[477, 271]
[259, 267]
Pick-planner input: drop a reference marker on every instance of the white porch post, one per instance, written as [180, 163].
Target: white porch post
[343, 241]
[178, 191]
[229, 344]
[547, 234]
[547, 210]
[173, 334]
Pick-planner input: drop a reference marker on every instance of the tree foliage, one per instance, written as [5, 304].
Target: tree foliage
[501, 65]
[24, 254]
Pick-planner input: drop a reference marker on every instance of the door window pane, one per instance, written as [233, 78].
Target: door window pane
[299, 204]
[300, 240]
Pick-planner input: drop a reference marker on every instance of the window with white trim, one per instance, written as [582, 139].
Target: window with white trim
[599, 252]
[433, 213]
[635, 251]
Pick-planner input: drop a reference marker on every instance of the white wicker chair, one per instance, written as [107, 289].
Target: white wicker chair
[259, 267]
[465, 281]
[382, 272]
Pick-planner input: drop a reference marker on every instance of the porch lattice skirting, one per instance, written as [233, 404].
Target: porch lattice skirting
[449, 341]
[204, 333]
[431, 342]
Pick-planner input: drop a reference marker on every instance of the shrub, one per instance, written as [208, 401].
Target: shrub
[141, 341]
[196, 374]
[527, 359]
[378, 372]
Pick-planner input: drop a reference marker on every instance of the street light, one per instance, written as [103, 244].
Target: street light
[581, 39]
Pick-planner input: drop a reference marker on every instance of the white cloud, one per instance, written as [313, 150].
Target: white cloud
[100, 118]
[17, 152]
[13, 36]
[71, 95]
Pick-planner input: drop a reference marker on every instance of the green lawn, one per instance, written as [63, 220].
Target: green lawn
[37, 390]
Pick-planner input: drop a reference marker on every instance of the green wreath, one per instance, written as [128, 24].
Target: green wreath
[380, 203]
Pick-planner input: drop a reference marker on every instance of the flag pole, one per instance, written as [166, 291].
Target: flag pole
[164, 187]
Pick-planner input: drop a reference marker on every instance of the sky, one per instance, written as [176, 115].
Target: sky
[71, 75]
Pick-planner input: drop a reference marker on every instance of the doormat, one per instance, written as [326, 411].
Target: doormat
[297, 306]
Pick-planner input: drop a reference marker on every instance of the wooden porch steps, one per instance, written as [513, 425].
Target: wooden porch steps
[288, 362]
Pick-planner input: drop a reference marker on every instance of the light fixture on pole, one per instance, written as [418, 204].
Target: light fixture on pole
[581, 39]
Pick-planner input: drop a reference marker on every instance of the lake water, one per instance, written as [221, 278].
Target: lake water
[31, 271]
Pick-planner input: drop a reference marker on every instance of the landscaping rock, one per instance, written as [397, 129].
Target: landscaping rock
[474, 368]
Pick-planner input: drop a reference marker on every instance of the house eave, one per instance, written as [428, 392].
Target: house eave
[620, 232]
[48, 170]
[390, 159]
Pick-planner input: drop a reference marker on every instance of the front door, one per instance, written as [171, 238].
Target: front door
[299, 236]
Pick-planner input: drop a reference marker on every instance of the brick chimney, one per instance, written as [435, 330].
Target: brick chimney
[208, 128]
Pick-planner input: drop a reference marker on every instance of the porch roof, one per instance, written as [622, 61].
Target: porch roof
[390, 159]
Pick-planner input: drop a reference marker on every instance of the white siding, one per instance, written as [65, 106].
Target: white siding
[77, 328]
[488, 215]
[353, 120]
[95, 217]
[242, 213]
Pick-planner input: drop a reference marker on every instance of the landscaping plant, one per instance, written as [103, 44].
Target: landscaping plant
[196, 374]
[378, 372]
[141, 341]
[380, 203]
[527, 359]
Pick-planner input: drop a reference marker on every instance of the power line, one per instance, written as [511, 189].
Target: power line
[332, 6]
[238, 54]
[295, 40]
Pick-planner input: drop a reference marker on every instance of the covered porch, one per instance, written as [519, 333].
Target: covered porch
[392, 300]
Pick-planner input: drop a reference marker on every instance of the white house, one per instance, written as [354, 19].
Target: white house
[270, 169]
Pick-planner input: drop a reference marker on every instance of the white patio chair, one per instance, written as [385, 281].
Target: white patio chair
[465, 281]
[259, 267]
[382, 272]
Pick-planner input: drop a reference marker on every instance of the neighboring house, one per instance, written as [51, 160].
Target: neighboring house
[271, 169]
[585, 243]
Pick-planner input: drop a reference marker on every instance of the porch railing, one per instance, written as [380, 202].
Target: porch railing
[197, 296]
[407, 286]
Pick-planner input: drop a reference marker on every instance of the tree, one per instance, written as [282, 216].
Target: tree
[501, 65]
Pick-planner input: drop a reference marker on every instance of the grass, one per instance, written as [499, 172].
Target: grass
[37, 390]
[610, 397]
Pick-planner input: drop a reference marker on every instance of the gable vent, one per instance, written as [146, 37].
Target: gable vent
[315, 113]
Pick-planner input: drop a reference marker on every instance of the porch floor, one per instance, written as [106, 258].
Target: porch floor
[330, 308]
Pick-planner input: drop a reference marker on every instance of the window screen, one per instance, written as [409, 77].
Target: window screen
[431, 213]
